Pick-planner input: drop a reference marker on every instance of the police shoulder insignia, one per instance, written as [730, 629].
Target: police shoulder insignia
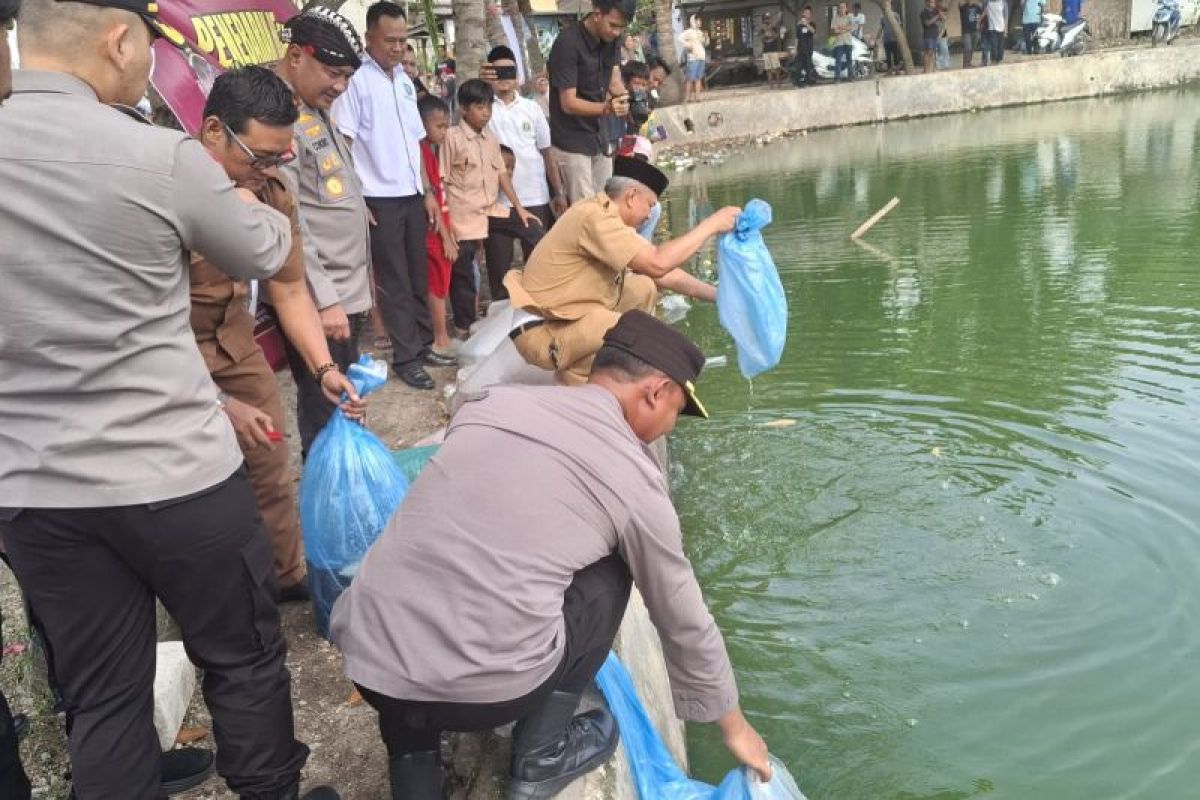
[312, 131]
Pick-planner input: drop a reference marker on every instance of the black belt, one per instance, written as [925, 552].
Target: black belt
[524, 326]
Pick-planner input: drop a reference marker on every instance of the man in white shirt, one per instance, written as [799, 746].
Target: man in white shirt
[378, 114]
[521, 127]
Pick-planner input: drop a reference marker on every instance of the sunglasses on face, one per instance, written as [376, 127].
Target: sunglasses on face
[257, 161]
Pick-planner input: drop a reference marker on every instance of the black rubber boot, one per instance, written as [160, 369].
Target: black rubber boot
[553, 746]
[316, 793]
[416, 776]
[185, 769]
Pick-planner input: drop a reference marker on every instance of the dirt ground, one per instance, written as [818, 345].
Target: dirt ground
[346, 750]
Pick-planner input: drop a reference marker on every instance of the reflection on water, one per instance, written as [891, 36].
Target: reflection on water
[970, 568]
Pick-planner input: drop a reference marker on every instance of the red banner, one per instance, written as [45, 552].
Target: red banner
[203, 38]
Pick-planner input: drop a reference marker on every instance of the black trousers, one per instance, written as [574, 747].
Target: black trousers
[313, 409]
[463, 286]
[402, 275]
[593, 607]
[14, 783]
[803, 71]
[498, 249]
[92, 574]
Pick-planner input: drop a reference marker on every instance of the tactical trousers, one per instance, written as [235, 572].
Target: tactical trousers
[313, 409]
[253, 382]
[593, 607]
[91, 576]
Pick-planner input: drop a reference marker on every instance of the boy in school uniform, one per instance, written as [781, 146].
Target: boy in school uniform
[474, 175]
[439, 238]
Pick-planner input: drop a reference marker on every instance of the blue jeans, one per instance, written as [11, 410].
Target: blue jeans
[841, 58]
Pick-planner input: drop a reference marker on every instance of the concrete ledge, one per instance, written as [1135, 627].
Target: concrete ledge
[174, 684]
[885, 99]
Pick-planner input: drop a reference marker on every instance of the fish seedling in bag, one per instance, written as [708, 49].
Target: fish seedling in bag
[350, 488]
[750, 300]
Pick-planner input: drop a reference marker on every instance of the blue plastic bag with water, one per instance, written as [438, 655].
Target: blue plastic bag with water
[655, 772]
[750, 300]
[350, 488]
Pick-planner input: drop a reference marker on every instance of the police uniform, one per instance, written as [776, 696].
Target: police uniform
[576, 286]
[224, 328]
[121, 475]
[337, 255]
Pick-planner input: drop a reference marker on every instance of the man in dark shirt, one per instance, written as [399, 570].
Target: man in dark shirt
[970, 12]
[931, 31]
[585, 85]
[772, 44]
[803, 73]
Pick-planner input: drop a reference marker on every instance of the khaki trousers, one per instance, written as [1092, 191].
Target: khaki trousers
[252, 382]
[583, 176]
[568, 348]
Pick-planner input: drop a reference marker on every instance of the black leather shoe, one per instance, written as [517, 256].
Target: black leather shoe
[414, 375]
[20, 726]
[185, 768]
[296, 593]
[321, 793]
[553, 746]
[433, 359]
[416, 776]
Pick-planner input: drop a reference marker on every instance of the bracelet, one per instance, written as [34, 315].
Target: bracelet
[321, 370]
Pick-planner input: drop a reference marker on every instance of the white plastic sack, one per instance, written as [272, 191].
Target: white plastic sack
[488, 334]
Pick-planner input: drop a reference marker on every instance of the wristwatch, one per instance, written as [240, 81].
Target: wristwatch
[222, 400]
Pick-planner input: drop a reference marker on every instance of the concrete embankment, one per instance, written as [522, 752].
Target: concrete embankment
[737, 114]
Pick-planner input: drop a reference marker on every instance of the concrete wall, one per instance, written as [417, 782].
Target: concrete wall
[829, 106]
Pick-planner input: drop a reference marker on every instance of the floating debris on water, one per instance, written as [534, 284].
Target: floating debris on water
[936, 452]
[966, 623]
[911, 722]
[1051, 579]
[716, 361]
[778, 423]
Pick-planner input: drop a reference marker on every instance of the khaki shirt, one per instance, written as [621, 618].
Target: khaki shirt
[463, 602]
[471, 167]
[333, 214]
[580, 263]
[221, 321]
[104, 399]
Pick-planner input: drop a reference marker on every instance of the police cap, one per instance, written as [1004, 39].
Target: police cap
[146, 9]
[8, 12]
[327, 35]
[655, 342]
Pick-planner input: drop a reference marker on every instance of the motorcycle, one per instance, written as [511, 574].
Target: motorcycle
[1053, 37]
[1166, 23]
[862, 61]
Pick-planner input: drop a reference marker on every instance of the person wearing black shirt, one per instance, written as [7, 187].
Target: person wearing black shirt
[969, 12]
[931, 31]
[803, 73]
[772, 44]
[585, 85]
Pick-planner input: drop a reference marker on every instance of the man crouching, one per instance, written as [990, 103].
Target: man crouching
[467, 616]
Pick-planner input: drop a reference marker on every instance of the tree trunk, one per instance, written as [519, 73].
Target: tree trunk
[495, 31]
[671, 91]
[431, 26]
[531, 52]
[469, 41]
[897, 31]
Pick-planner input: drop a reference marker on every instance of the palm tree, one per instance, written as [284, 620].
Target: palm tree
[671, 92]
[897, 32]
[521, 12]
[469, 37]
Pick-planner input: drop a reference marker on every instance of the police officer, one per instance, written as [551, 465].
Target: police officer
[247, 128]
[592, 266]
[323, 51]
[121, 476]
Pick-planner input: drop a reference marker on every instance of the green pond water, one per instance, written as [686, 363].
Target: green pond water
[969, 568]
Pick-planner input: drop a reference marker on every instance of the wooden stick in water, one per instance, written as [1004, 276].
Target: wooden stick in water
[878, 215]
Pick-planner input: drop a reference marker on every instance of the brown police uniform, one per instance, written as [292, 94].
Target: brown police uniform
[578, 281]
[224, 329]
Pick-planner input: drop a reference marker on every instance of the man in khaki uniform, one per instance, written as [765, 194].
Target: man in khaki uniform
[323, 52]
[247, 129]
[592, 266]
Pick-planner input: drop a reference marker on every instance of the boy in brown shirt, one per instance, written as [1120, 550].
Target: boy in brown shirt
[474, 175]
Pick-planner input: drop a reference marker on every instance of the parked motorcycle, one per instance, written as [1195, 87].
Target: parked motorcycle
[1166, 23]
[1053, 37]
[862, 61]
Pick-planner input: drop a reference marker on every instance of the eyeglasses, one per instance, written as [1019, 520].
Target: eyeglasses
[257, 161]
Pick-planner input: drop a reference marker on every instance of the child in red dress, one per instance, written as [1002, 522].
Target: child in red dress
[439, 239]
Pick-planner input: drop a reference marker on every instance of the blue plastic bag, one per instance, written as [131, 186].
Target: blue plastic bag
[655, 773]
[750, 300]
[350, 488]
